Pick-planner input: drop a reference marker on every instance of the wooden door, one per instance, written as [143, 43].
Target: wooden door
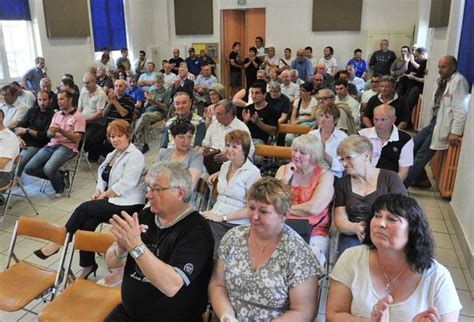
[233, 22]
[254, 27]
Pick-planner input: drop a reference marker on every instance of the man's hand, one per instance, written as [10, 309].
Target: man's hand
[20, 131]
[454, 139]
[255, 118]
[246, 115]
[54, 128]
[22, 143]
[127, 230]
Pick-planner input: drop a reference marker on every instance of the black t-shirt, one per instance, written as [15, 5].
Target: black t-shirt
[251, 71]
[187, 246]
[38, 121]
[267, 115]
[420, 72]
[280, 105]
[126, 102]
[401, 109]
[176, 62]
[381, 61]
[235, 56]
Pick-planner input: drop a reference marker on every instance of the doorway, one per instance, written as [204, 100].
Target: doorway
[242, 26]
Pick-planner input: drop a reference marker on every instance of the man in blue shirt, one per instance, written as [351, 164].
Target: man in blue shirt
[136, 92]
[359, 63]
[303, 65]
[193, 62]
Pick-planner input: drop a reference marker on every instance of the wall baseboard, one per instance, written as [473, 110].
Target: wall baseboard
[461, 235]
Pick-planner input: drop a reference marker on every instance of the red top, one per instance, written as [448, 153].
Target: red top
[319, 221]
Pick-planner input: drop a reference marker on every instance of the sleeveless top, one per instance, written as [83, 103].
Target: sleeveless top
[320, 222]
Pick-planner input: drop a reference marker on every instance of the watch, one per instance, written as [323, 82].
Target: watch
[224, 218]
[138, 251]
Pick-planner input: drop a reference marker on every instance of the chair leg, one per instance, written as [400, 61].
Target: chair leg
[27, 197]
[7, 204]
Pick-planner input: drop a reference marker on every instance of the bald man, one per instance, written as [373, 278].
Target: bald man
[393, 148]
[119, 104]
[449, 109]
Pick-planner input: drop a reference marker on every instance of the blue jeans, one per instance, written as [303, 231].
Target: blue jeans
[422, 153]
[26, 155]
[346, 241]
[47, 162]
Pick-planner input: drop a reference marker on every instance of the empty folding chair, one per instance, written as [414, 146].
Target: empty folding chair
[22, 281]
[83, 300]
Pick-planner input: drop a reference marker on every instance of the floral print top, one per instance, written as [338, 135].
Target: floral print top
[263, 295]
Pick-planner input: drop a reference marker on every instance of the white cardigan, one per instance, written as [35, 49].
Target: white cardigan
[126, 177]
[452, 111]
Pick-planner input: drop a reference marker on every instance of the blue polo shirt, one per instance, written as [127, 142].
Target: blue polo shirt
[304, 67]
[137, 93]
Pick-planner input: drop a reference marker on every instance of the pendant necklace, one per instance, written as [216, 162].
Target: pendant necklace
[388, 283]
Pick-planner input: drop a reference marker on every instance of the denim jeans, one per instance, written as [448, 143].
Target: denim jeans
[47, 162]
[346, 241]
[26, 155]
[422, 153]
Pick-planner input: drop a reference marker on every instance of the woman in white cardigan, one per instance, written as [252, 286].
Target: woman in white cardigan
[120, 187]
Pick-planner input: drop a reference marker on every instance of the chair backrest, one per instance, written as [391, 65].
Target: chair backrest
[272, 151]
[39, 228]
[293, 129]
[92, 241]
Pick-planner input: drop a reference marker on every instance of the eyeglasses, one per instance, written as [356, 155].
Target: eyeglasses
[348, 158]
[152, 189]
[324, 98]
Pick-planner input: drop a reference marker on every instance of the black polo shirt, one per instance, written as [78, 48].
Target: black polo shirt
[187, 245]
[39, 121]
[402, 112]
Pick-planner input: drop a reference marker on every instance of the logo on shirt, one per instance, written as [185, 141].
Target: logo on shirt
[188, 268]
[395, 149]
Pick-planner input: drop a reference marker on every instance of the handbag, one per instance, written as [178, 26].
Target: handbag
[211, 165]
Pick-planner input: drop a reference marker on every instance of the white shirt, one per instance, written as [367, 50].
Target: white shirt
[292, 91]
[287, 61]
[331, 149]
[215, 134]
[436, 288]
[27, 98]
[330, 63]
[9, 148]
[231, 195]
[14, 112]
[353, 105]
[169, 79]
[367, 95]
[273, 61]
[359, 83]
[406, 155]
[90, 103]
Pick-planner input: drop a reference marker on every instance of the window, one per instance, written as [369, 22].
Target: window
[17, 50]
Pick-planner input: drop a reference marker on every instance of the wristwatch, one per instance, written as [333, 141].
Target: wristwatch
[138, 251]
[224, 218]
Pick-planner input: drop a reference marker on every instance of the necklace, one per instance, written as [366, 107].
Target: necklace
[277, 240]
[388, 283]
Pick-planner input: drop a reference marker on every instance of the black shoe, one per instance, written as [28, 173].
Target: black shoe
[145, 148]
[39, 253]
[67, 180]
[92, 271]
[423, 184]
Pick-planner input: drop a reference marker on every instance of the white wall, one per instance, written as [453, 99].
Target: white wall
[63, 55]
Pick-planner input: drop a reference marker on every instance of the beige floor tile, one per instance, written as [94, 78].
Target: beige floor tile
[29, 317]
[433, 212]
[461, 259]
[438, 225]
[5, 238]
[464, 318]
[443, 240]
[470, 282]
[458, 278]
[12, 316]
[467, 303]
[450, 227]
[447, 257]
[455, 242]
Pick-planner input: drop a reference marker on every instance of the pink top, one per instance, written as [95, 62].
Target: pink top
[319, 221]
[73, 122]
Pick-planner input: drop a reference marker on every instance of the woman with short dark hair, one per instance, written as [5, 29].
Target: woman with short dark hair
[393, 276]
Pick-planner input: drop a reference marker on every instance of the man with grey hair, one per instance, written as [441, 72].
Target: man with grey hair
[288, 88]
[389, 96]
[166, 251]
[393, 148]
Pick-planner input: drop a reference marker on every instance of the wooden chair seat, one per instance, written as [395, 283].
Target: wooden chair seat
[21, 284]
[293, 128]
[79, 302]
[273, 151]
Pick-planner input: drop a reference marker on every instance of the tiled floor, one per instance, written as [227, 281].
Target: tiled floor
[58, 210]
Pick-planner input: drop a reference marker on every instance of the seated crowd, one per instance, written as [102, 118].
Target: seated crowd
[352, 167]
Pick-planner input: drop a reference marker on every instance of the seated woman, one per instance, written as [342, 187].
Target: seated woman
[330, 136]
[120, 187]
[182, 133]
[313, 190]
[233, 182]
[357, 190]
[393, 277]
[216, 93]
[265, 270]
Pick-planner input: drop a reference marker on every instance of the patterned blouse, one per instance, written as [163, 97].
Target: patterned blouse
[264, 295]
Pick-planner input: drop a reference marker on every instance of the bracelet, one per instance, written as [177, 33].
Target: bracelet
[119, 257]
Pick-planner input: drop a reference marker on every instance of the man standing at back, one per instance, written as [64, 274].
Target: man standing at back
[31, 79]
[449, 110]
[193, 62]
[382, 59]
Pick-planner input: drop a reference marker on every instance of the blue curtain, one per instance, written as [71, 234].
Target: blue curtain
[14, 10]
[108, 24]
[466, 45]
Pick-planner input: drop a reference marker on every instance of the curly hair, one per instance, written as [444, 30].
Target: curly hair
[420, 246]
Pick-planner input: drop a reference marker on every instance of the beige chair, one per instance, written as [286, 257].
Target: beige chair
[21, 281]
[83, 300]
